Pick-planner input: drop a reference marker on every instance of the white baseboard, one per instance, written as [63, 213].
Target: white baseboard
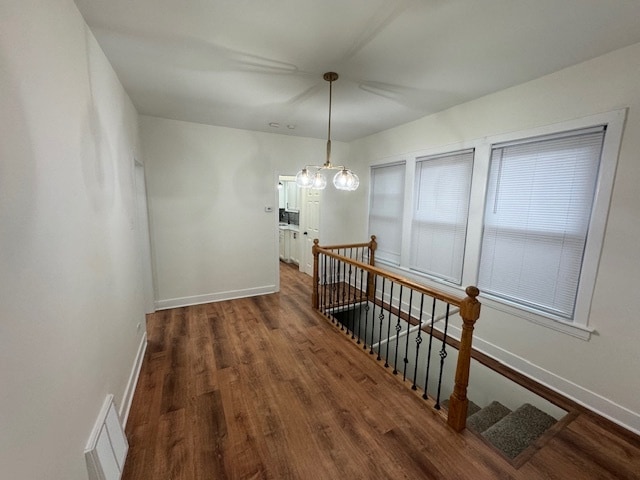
[214, 297]
[591, 400]
[127, 398]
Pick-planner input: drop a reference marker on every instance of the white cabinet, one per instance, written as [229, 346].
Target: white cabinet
[291, 189]
[294, 247]
[288, 193]
[282, 244]
[289, 245]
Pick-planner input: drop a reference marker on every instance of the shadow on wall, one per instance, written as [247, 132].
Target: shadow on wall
[18, 178]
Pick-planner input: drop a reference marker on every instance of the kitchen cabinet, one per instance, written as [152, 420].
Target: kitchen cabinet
[282, 244]
[294, 247]
[289, 244]
[291, 196]
[282, 194]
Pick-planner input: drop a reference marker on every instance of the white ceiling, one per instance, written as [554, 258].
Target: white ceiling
[247, 63]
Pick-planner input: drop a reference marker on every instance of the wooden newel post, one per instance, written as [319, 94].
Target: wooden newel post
[458, 402]
[315, 300]
[373, 245]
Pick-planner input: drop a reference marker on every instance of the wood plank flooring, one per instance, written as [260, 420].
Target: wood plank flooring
[265, 388]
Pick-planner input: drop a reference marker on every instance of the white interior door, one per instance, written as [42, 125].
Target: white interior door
[311, 226]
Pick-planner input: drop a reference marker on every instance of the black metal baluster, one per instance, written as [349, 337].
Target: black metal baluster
[373, 310]
[354, 300]
[418, 342]
[341, 290]
[406, 347]
[332, 288]
[320, 285]
[398, 329]
[323, 297]
[386, 360]
[443, 355]
[360, 316]
[426, 380]
[344, 277]
[335, 285]
[381, 317]
[351, 312]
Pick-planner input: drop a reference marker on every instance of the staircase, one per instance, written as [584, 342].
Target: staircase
[511, 432]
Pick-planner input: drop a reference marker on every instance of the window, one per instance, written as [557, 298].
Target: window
[386, 210]
[441, 206]
[537, 214]
[520, 214]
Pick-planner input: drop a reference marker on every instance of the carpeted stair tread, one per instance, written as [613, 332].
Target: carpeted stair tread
[515, 432]
[471, 409]
[488, 416]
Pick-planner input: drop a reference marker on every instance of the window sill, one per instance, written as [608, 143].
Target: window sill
[579, 331]
[575, 330]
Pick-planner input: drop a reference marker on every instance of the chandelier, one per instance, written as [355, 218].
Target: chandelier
[313, 176]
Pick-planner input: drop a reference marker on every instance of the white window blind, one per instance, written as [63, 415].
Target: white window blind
[386, 210]
[441, 207]
[538, 208]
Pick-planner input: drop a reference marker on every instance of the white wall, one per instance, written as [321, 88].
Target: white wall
[70, 285]
[208, 187]
[601, 372]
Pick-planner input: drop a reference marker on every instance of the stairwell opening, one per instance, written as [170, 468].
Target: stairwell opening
[509, 417]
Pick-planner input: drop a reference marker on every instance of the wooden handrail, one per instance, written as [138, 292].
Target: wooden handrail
[469, 311]
[372, 245]
[445, 297]
[345, 246]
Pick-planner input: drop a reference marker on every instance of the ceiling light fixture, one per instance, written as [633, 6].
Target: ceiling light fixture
[312, 176]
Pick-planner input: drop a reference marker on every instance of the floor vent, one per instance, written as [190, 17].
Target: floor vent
[107, 447]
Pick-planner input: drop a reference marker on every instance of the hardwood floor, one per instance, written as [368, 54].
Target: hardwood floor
[265, 388]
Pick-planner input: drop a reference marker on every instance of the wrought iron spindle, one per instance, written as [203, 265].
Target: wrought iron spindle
[373, 310]
[406, 347]
[349, 288]
[386, 360]
[334, 287]
[426, 380]
[418, 342]
[354, 301]
[381, 317]
[344, 278]
[443, 355]
[324, 283]
[360, 316]
[398, 329]
[341, 287]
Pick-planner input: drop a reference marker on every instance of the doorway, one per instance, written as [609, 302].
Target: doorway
[311, 226]
[298, 222]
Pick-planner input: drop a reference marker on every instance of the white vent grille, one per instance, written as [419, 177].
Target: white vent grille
[107, 447]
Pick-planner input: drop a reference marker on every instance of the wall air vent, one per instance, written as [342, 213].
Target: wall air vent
[107, 448]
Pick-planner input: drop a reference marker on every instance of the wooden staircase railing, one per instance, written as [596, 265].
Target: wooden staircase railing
[360, 280]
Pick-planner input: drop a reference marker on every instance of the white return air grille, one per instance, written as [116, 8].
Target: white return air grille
[107, 447]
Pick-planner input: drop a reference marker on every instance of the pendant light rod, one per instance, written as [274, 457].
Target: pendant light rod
[314, 176]
[329, 77]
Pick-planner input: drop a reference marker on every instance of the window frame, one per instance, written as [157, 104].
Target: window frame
[393, 163]
[415, 186]
[578, 326]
